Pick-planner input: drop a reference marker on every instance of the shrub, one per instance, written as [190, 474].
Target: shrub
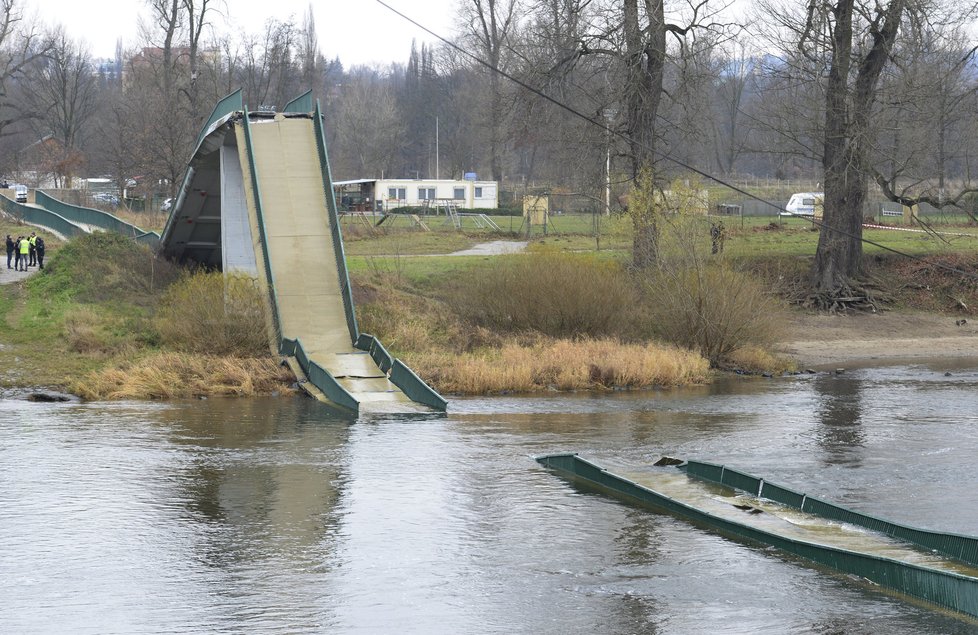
[557, 294]
[714, 309]
[213, 314]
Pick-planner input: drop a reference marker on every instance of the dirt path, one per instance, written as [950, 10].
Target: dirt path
[831, 340]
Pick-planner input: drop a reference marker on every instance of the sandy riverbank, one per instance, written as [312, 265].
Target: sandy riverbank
[817, 340]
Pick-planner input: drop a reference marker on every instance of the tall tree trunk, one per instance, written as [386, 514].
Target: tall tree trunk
[644, 69]
[838, 258]
[645, 55]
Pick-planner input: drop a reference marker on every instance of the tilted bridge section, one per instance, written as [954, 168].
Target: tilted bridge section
[257, 200]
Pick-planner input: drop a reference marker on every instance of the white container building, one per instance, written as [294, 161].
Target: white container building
[388, 194]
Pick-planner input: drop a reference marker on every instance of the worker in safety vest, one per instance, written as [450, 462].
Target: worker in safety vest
[33, 252]
[25, 249]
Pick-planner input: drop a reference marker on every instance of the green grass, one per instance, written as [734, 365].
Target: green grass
[749, 237]
[415, 270]
[797, 240]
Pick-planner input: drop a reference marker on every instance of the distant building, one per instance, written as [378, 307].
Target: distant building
[388, 194]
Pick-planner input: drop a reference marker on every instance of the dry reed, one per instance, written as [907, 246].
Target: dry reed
[754, 359]
[560, 365]
[182, 375]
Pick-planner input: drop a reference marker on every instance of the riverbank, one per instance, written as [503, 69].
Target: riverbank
[820, 340]
[107, 321]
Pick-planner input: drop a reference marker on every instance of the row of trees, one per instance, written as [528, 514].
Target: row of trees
[846, 93]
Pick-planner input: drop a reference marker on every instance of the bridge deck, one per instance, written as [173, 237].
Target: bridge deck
[303, 262]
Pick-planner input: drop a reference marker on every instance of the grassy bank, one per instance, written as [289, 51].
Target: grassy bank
[107, 320]
[555, 320]
[95, 322]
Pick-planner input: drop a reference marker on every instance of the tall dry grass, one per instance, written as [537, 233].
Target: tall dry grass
[210, 313]
[181, 375]
[560, 364]
[150, 220]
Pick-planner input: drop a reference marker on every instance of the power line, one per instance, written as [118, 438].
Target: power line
[666, 157]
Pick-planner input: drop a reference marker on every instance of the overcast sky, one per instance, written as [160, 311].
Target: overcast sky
[358, 31]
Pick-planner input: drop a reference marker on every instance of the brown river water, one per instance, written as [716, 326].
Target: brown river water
[282, 516]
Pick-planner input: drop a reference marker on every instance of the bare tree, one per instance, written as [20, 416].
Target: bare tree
[730, 128]
[122, 135]
[929, 116]
[489, 27]
[370, 125]
[197, 17]
[850, 93]
[62, 92]
[548, 142]
[22, 46]
[270, 76]
[634, 39]
[846, 48]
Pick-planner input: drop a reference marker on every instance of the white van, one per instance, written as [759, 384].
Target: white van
[20, 193]
[804, 204]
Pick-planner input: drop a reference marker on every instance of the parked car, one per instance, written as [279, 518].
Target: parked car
[20, 193]
[167, 205]
[106, 198]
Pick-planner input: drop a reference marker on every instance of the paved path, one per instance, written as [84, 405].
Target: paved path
[494, 248]
[9, 276]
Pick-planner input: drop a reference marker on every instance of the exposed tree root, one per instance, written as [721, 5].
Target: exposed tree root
[854, 297]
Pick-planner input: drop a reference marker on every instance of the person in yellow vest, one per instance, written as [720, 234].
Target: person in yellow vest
[31, 240]
[25, 249]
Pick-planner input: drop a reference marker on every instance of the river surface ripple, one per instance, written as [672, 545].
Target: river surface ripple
[281, 516]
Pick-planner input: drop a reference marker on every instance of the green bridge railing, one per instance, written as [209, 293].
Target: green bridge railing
[400, 374]
[95, 218]
[950, 590]
[37, 216]
[302, 103]
[319, 376]
[964, 548]
[230, 103]
[334, 226]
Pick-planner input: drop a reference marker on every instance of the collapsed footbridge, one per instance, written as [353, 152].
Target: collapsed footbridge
[257, 199]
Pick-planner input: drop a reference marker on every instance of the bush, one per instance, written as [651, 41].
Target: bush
[557, 294]
[213, 314]
[714, 309]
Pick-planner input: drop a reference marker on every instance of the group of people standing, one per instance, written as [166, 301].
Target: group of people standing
[25, 251]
